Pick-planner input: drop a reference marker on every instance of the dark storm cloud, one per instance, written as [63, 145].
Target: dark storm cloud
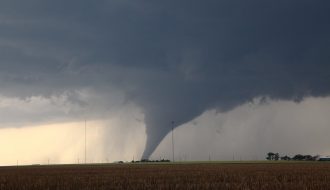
[175, 59]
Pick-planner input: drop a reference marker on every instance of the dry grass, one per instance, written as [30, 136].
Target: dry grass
[168, 176]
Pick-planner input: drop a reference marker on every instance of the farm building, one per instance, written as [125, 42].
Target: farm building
[324, 158]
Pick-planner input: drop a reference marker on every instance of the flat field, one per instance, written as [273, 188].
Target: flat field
[248, 175]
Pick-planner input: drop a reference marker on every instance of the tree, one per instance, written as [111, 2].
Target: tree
[276, 156]
[298, 157]
[308, 157]
[270, 156]
[285, 157]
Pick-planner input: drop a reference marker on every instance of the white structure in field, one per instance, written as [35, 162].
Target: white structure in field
[323, 158]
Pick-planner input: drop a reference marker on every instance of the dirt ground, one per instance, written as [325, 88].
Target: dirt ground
[313, 175]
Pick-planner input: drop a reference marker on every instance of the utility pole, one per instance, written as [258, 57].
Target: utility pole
[85, 143]
[172, 140]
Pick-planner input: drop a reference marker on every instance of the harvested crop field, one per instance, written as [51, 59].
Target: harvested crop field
[169, 176]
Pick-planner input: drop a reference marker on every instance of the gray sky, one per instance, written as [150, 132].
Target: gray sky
[174, 60]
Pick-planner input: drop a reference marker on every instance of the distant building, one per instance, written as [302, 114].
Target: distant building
[324, 158]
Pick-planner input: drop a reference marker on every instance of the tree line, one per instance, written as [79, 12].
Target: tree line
[297, 157]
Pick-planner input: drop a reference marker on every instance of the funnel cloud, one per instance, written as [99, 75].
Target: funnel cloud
[173, 59]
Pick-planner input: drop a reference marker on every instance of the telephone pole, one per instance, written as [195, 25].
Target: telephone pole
[85, 142]
[172, 140]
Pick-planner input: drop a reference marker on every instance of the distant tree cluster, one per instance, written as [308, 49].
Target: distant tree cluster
[298, 157]
[273, 156]
[147, 160]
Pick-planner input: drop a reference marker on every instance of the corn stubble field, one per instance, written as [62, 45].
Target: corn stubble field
[168, 176]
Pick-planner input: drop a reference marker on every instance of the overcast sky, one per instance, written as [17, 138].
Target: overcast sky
[147, 63]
